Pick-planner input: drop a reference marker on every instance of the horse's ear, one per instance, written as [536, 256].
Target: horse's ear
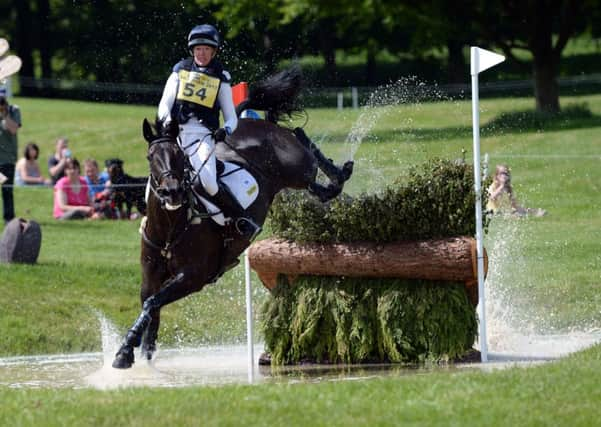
[147, 131]
[172, 129]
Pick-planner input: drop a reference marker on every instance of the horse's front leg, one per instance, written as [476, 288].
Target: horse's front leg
[125, 355]
[149, 339]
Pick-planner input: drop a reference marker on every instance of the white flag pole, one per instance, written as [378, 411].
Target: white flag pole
[249, 319]
[480, 60]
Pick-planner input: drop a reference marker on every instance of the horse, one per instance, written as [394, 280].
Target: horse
[181, 252]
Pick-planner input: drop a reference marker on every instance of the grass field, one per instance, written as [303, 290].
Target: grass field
[548, 269]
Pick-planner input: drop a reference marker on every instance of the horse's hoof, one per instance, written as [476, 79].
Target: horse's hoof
[148, 350]
[124, 359]
[347, 170]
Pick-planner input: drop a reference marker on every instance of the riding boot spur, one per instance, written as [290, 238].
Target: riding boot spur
[245, 226]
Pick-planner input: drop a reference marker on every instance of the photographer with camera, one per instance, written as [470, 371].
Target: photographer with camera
[10, 122]
[56, 162]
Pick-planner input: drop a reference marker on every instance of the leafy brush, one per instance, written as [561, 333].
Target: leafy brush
[436, 200]
[352, 320]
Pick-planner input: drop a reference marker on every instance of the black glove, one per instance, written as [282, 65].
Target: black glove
[219, 135]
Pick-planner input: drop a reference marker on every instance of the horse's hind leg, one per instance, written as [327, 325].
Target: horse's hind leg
[338, 176]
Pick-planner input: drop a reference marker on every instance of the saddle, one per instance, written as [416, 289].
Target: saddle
[239, 182]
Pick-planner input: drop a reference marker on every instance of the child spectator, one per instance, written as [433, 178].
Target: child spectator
[96, 183]
[27, 169]
[501, 198]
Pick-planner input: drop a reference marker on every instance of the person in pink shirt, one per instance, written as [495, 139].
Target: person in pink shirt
[71, 194]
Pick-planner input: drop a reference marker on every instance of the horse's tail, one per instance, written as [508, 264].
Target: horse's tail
[277, 95]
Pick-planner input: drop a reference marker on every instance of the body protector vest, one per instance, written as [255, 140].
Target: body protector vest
[197, 93]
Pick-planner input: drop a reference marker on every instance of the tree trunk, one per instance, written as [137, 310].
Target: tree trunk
[546, 87]
[268, 54]
[452, 259]
[456, 62]
[44, 37]
[370, 69]
[327, 45]
[23, 42]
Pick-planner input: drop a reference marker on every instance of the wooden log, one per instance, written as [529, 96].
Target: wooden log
[450, 259]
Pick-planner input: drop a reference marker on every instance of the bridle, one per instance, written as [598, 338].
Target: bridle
[175, 233]
[155, 181]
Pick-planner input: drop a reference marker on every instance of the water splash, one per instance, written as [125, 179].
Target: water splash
[407, 91]
[512, 331]
[170, 367]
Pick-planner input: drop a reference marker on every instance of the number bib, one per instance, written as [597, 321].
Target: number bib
[198, 88]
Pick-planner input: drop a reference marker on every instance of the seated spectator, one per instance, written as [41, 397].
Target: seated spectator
[27, 169]
[96, 183]
[501, 198]
[71, 195]
[56, 162]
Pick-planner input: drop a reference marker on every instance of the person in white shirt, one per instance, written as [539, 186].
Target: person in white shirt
[197, 90]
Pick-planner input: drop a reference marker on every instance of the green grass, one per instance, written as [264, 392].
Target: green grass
[560, 393]
[549, 267]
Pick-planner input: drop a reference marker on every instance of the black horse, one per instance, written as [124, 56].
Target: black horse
[180, 254]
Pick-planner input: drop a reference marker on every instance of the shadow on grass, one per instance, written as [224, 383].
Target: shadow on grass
[574, 116]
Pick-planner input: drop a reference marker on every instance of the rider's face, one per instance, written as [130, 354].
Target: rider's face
[203, 54]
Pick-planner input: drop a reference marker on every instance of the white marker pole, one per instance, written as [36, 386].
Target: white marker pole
[480, 60]
[249, 319]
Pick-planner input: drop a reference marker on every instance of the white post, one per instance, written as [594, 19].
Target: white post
[340, 99]
[355, 97]
[480, 60]
[249, 319]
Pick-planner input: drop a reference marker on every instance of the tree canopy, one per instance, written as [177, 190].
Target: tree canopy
[138, 41]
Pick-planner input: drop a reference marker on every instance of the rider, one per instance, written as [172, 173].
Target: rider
[195, 92]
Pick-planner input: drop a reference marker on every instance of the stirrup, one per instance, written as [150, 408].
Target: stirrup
[247, 227]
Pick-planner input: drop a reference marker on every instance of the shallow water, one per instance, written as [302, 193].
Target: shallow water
[209, 366]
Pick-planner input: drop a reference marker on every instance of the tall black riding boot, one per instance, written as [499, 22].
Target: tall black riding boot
[245, 226]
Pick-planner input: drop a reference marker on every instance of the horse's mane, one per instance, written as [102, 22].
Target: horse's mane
[277, 94]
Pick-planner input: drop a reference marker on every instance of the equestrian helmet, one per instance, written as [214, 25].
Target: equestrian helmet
[204, 34]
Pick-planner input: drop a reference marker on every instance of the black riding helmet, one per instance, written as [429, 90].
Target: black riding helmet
[203, 34]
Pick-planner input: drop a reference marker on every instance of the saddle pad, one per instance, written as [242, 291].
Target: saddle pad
[240, 183]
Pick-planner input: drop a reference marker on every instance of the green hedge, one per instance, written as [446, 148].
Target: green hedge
[437, 200]
[358, 320]
[352, 320]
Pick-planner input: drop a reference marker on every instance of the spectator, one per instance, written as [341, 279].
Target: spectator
[96, 183]
[10, 122]
[56, 162]
[501, 198]
[27, 170]
[71, 196]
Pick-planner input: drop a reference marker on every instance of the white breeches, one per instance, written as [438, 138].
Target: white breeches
[197, 142]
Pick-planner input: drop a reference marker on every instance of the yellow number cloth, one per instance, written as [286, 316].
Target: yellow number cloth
[198, 88]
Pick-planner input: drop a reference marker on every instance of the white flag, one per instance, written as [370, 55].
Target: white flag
[482, 59]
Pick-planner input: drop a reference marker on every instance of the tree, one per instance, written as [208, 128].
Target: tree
[540, 27]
